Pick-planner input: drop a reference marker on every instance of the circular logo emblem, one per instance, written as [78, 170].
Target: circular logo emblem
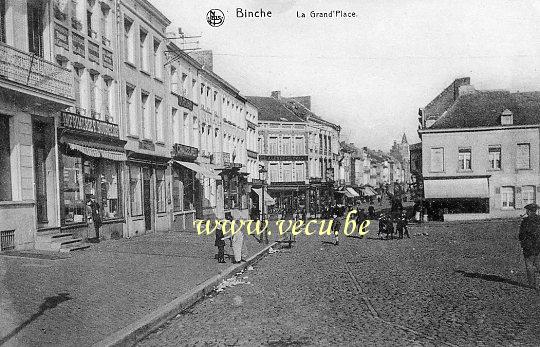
[215, 17]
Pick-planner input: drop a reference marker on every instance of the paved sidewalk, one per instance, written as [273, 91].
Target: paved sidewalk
[80, 300]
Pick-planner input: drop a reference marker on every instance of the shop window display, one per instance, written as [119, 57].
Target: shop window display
[110, 189]
[135, 189]
[160, 190]
[73, 190]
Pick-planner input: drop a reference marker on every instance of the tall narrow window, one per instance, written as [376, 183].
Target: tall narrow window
[437, 159]
[131, 111]
[272, 145]
[5, 160]
[143, 51]
[93, 89]
[158, 67]
[174, 80]
[145, 112]
[523, 159]
[91, 32]
[287, 172]
[507, 197]
[464, 159]
[35, 29]
[299, 145]
[494, 158]
[185, 126]
[176, 125]
[77, 79]
[2, 20]
[105, 26]
[160, 134]
[129, 50]
[300, 172]
[286, 145]
[184, 86]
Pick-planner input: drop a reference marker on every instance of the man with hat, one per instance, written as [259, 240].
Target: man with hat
[529, 237]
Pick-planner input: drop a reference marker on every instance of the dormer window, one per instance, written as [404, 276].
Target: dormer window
[507, 117]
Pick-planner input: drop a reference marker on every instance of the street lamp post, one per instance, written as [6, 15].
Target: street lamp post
[262, 177]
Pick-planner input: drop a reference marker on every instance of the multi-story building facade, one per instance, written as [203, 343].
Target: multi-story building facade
[34, 90]
[323, 151]
[91, 144]
[145, 104]
[98, 102]
[252, 124]
[282, 140]
[480, 159]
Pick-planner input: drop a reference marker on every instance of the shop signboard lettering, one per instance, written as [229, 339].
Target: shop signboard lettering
[283, 157]
[89, 125]
[185, 102]
[184, 152]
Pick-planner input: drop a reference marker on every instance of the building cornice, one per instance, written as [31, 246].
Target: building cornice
[457, 130]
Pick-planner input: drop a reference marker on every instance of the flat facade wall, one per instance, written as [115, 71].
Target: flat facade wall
[20, 217]
[509, 175]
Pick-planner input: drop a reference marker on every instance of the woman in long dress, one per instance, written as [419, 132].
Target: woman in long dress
[237, 240]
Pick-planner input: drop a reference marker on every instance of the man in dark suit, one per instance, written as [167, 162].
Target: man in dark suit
[96, 215]
[529, 237]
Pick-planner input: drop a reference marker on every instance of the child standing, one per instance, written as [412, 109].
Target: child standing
[220, 243]
[336, 225]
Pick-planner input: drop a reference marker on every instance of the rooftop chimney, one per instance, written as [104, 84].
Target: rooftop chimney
[276, 94]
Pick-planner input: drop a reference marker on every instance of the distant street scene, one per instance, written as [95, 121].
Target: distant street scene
[269, 173]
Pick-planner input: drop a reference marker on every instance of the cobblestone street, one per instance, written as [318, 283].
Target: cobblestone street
[450, 284]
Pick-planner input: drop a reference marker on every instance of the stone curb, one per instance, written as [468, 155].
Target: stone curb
[136, 331]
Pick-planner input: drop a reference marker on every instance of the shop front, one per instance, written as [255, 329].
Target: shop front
[184, 189]
[148, 198]
[289, 195]
[320, 195]
[91, 158]
[236, 189]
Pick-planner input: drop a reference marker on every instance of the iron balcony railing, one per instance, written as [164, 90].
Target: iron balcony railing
[33, 71]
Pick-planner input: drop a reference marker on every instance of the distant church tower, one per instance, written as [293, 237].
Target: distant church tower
[401, 151]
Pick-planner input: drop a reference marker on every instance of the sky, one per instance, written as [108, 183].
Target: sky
[370, 74]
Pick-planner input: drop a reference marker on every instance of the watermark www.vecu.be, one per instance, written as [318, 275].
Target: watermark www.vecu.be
[258, 227]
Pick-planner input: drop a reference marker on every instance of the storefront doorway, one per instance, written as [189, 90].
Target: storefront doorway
[147, 190]
[44, 172]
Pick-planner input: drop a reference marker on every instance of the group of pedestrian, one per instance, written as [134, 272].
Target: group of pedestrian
[236, 242]
[387, 228]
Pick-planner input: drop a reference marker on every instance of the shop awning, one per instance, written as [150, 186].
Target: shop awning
[268, 200]
[368, 191]
[352, 192]
[198, 169]
[98, 152]
[456, 188]
[211, 173]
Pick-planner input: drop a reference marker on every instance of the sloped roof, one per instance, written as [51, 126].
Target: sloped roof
[298, 108]
[484, 108]
[272, 110]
